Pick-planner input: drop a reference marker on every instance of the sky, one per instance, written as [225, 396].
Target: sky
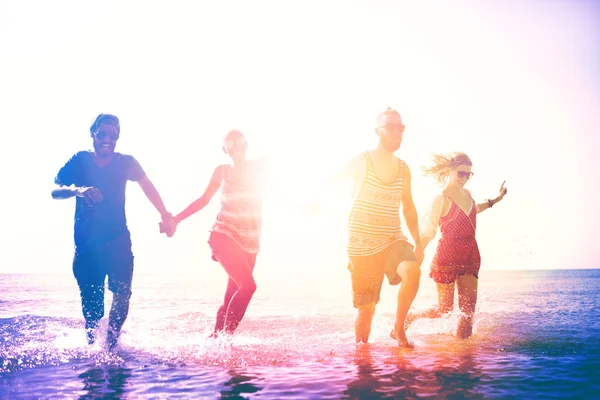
[514, 84]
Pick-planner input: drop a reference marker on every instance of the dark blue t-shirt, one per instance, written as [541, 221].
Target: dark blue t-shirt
[105, 220]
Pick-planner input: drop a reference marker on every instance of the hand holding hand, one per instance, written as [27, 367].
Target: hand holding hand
[419, 254]
[168, 225]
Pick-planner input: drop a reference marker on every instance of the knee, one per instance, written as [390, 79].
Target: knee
[121, 290]
[122, 296]
[367, 309]
[248, 288]
[410, 271]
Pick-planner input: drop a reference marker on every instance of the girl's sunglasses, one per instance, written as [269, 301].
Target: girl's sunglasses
[464, 174]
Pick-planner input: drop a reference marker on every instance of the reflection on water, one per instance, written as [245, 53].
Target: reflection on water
[367, 383]
[104, 382]
[238, 385]
[444, 375]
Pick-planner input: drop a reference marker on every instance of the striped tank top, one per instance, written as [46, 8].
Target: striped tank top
[374, 222]
[240, 216]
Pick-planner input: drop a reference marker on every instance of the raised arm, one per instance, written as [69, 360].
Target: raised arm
[202, 201]
[490, 203]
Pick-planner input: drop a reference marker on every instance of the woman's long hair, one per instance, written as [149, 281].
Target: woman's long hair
[443, 164]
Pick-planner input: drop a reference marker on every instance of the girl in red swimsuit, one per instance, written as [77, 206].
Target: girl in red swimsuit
[456, 261]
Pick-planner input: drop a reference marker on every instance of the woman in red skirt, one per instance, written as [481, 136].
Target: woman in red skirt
[457, 260]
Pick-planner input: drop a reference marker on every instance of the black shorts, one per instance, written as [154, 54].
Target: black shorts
[92, 264]
[367, 272]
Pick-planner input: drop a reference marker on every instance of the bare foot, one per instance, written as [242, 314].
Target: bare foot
[410, 318]
[401, 339]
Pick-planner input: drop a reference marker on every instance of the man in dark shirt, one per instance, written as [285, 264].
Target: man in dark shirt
[102, 240]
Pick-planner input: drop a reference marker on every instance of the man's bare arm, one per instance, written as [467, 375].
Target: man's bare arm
[66, 192]
[409, 210]
[153, 195]
[90, 194]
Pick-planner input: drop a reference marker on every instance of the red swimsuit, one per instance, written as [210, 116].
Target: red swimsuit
[457, 252]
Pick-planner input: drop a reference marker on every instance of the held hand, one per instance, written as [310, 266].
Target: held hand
[419, 254]
[90, 194]
[168, 225]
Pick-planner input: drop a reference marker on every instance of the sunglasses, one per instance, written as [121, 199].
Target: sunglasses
[464, 174]
[111, 135]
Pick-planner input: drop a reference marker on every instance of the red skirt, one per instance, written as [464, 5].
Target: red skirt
[453, 258]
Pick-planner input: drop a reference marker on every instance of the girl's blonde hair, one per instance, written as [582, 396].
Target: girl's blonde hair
[443, 164]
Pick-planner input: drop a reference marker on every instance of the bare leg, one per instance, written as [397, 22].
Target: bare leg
[444, 306]
[362, 325]
[410, 272]
[240, 272]
[467, 299]
[229, 292]
[238, 306]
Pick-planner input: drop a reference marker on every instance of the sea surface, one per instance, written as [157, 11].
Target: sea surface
[537, 335]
